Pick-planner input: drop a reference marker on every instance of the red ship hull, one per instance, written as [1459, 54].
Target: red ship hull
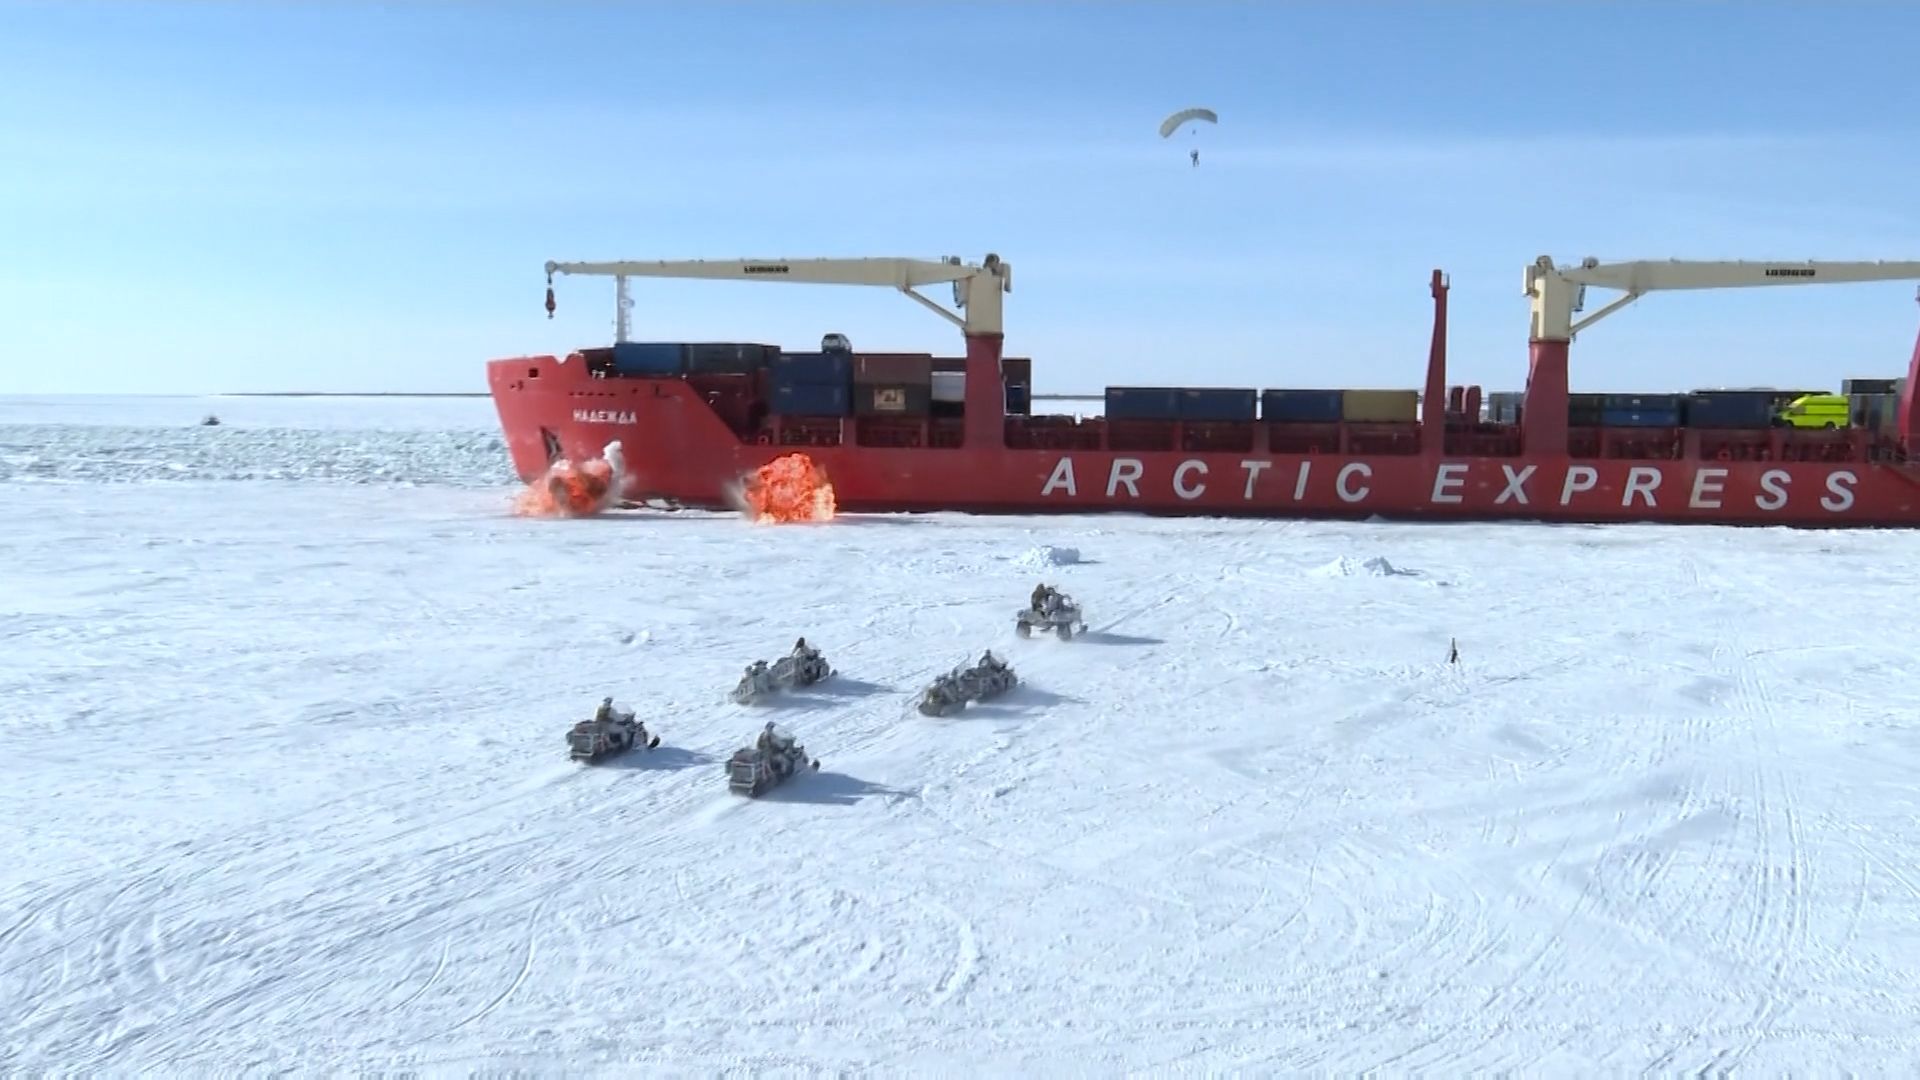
[689, 444]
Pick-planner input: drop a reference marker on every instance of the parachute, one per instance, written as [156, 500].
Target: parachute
[1172, 123]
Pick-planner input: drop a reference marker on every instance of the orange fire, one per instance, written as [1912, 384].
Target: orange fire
[569, 490]
[787, 489]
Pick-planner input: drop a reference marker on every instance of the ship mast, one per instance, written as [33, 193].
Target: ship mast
[977, 287]
[1556, 293]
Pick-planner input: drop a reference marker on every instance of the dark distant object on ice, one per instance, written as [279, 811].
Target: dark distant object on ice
[210, 421]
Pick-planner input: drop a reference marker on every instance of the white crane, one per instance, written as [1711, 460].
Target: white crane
[1556, 293]
[976, 287]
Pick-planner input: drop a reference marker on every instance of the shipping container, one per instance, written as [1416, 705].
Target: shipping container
[1583, 410]
[729, 358]
[1211, 404]
[1874, 412]
[1503, 406]
[1869, 387]
[810, 399]
[1143, 403]
[1019, 400]
[1300, 406]
[894, 369]
[1379, 406]
[875, 399]
[1641, 402]
[1729, 411]
[649, 358]
[834, 368]
[1640, 418]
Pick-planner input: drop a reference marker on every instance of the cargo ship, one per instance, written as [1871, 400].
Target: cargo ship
[915, 432]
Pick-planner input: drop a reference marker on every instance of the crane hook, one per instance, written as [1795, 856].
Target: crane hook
[550, 303]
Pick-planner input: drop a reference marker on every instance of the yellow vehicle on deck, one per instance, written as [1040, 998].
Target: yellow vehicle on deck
[1816, 411]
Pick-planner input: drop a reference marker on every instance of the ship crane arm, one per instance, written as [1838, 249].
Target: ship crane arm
[1557, 293]
[977, 287]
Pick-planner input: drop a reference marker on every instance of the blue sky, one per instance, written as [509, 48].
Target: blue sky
[209, 197]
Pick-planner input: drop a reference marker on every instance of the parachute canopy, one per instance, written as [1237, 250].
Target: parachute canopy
[1172, 123]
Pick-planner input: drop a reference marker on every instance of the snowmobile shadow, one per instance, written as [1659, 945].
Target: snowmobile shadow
[841, 686]
[822, 695]
[1019, 701]
[662, 758]
[1108, 637]
[831, 789]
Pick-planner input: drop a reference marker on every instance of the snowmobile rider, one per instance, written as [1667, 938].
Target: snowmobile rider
[604, 714]
[1040, 595]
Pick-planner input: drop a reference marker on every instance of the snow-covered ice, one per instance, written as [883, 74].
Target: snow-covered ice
[283, 783]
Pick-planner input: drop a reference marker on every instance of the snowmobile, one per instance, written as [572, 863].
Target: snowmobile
[951, 692]
[608, 733]
[757, 683]
[753, 770]
[804, 666]
[1051, 610]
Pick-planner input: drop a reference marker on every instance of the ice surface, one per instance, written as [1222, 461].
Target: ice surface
[283, 783]
[1348, 566]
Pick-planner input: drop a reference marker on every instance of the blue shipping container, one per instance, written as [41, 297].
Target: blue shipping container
[1019, 402]
[1728, 411]
[1640, 402]
[731, 358]
[1302, 406]
[1207, 404]
[811, 399]
[1649, 418]
[834, 368]
[649, 358]
[1143, 403]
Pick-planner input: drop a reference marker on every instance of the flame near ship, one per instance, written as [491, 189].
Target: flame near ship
[569, 490]
[790, 488]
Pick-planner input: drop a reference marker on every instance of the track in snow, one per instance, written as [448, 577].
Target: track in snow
[280, 793]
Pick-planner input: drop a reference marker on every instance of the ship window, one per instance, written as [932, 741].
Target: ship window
[533, 373]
